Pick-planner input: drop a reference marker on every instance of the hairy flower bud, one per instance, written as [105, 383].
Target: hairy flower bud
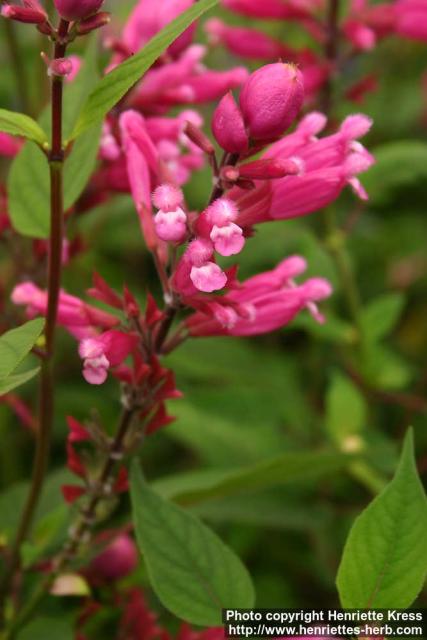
[228, 126]
[77, 9]
[271, 99]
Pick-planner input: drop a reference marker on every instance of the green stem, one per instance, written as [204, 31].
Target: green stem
[46, 406]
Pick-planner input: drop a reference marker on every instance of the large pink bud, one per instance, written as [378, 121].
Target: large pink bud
[271, 99]
[77, 9]
[118, 560]
[228, 126]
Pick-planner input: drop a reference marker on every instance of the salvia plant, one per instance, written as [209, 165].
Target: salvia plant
[254, 116]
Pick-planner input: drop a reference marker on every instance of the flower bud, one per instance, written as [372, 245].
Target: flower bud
[228, 126]
[269, 168]
[77, 9]
[24, 14]
[118, 560]
[168, 197]
[93, 22]
[271, 99]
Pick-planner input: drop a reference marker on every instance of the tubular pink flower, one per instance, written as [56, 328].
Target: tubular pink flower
[248, 43]
[261, 304]
[271, 99]
[270, 8]
[77, 9]
[80, 319]
[329, 164]
[228, 126]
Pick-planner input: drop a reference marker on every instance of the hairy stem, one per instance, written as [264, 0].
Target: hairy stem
[46, 407]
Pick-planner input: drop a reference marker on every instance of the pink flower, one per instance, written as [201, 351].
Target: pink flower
[261, 304]
[149, 17]
[77, 9]
[271, 99]
[228, 126]
[80, 319]
[271, 8]
[248, 43]
[328, 165]
[411, 19]
[208, 277]
[170, 221]
[141, 158]
[228, 239]
[104, 351]
[171, 226]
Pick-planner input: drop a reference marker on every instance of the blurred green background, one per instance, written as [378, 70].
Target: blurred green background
[305, 388]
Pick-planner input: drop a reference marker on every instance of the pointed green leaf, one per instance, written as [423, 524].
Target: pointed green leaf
[16, 380]
[345, 409]
[29, 183]
[192, 571]
[197, 486]
[18, 124]
[117, 83]
[385, 558]
[381, 316]
[17, 343]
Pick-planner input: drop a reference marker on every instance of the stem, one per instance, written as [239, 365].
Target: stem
[17, 65]
[331, 53]
[335, 239]
[84, 524]
[46, 406]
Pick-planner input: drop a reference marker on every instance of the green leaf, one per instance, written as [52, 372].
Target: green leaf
[198, 486]
[43, 628]
[11, 382]
[28, 189]
[18, 124]
[398, 165]
[29, 186]
[12, 501]
[17, 343]
[381, 316]
[345, 409]
[117, 83]
[29, 182]
[385, 558]
[192, 571]
[385, 369]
